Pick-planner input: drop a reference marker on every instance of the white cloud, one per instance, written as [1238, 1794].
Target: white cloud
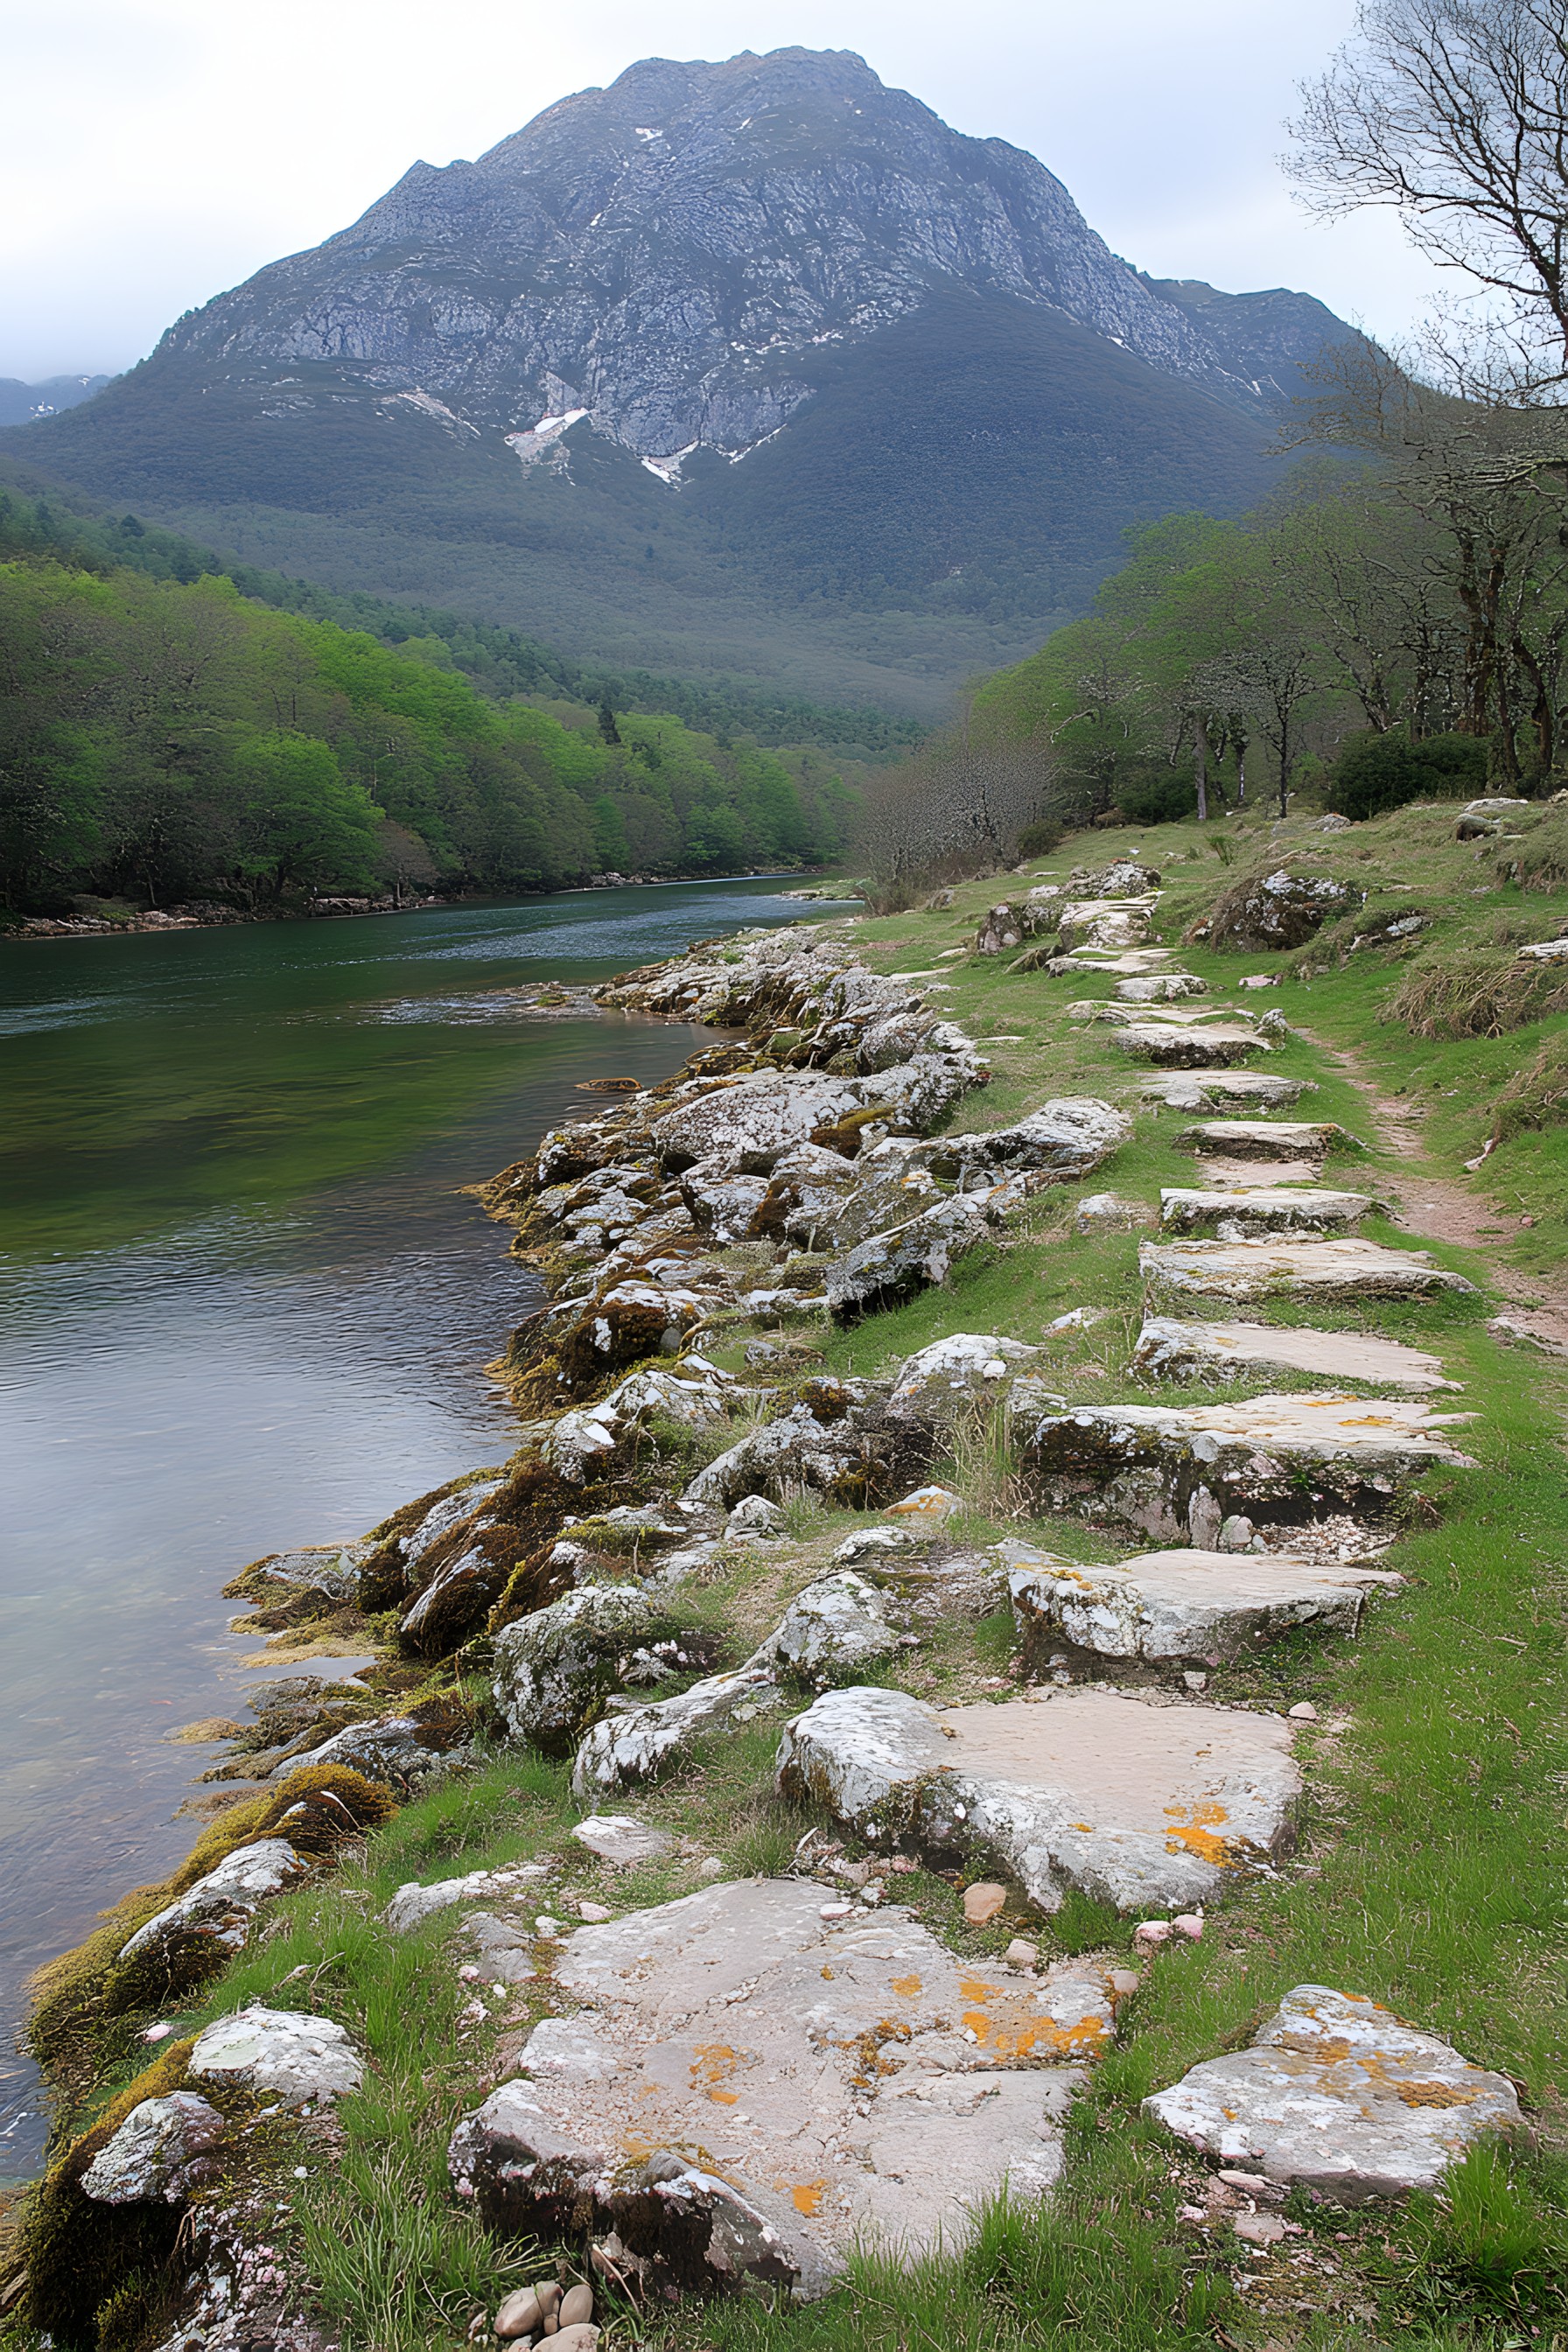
[158, 150]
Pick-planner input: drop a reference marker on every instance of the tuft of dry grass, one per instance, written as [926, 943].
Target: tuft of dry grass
[1536, 1095]
[1478, 992]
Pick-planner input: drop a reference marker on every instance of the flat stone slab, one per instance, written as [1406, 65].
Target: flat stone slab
[1184, 1209]
[1159, 988]
[1169, 1350]
[1212, 1045]
[1177, 1472]
[1200, 1090]
[1255, 1175]
[1347, 1270]
[1135, 1802]
[1130, 961]
[1337, 2094]
[1265, 1138]
[618, 1838]
[747, 2090]
[1170, 1608]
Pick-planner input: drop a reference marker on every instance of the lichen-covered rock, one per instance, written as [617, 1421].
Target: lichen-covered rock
[630, 1320]
[1172, 1607]
[1170, 1349]
[736, 2039]
[216, 1912]
[1237, 1217]
[1110, 1213]
[837, 1458]
[298, 2059]
[1282, 910]
[722, 1206]
[938, 1380]
[1175, 1472]
[1489, 815]
[1265, 1138]
[1337, 2095]
[1159, 988]
[1246, 1272]
[890, 1193]
[635, 1743]
[583, 1444]
[894, 1265]
[553, 1668]
[399, 1752]
[157, 2152]
[1067, 1138]
[414, 1904]
[1132, 1802]
[1111, 923]
[1209, 1046]
[832, 1631]
[1199, 1090]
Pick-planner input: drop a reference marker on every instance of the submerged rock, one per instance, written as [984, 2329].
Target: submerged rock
[1136, 1803]
[1338, 2094]
[740, 2045]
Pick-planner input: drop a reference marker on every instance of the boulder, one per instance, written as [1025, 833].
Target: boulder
[1209, 1046]
[892, 1266]
[1491, 815]
[832, 1631]
[1175, 1472]
[890, 1193]
[721, 1207]
[938, 1380]
[214, 1915]
[581, 1444]
[1349, 1272]
[616, 1838]
[1168, 1349]
[630, 1320]
[1282, 910]
[1336, 2094]
[1213, 1089]
[1136, 1803]
[554, 1668]
[1178, 1608]
[635, 1743]
[1545, 951]
[1112, 923]
[1237, 1217]
[755, 1516]
[792, 2090]
[298, 2059]
[160, 2151]
[398, 1751]
[795, 1451]
[1067, 1138]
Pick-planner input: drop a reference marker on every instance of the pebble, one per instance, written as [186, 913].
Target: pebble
[1260, 2229]
[581, 2338]
[1251, 2184]
[576, 2307]
[592, 1911]
[836, 1911]
[469, 1975]
[712, 1868]
[1150, 1934]
[1189, 1924]
[157, 2033]
[1124, 1983]
[519, 2314]
[1303, 1712]
[1021, 1954]
[546, 1926]
[983, 1901]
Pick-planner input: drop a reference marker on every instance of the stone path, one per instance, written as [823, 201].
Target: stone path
[1185, 1209]
[1348, 1272]
[1196, 1090]
[1171, 1349]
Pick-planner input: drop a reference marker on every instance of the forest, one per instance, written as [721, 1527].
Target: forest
[168, 741]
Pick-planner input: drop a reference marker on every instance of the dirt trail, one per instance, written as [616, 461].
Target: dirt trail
[1442, 1209]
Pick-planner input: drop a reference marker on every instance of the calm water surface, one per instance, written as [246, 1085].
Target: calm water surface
[243, 1304]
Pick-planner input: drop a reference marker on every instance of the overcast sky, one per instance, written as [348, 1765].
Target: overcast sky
[157, 151]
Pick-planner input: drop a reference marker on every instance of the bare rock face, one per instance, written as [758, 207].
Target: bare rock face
[1176, 1473]
[1238, 1216]
[1174, 1608]
[414, 1904]
[1112, 923]
[891, 1266]
[729, 2049]
[1282, 910]
[157, 2153]
[1338, 2094]
[1248, 1272]
[1170, 1349]
[218, 1909]
[1136, 1803]
[298, 2058]
[634, 1744]
[553, 1668]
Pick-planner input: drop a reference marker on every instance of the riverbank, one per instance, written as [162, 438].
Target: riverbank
[819, 1572]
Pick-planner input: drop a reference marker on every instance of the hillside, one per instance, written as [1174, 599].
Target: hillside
[754, 368]
[738, 1848]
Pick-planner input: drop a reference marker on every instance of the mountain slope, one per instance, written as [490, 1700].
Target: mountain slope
[531, 380]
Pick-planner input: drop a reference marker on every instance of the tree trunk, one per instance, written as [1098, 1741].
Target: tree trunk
[1201, 751]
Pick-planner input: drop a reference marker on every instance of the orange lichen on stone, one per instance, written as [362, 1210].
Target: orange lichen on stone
[807, 2196]
[1198, 1833]
[712, 2065]
[907, 1987]
[1017, 2029]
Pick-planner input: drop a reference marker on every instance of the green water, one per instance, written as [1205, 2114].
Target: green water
[244, 1304]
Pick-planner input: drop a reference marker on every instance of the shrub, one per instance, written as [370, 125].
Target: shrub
[1383, 771]
[1039, 838]
[1158, 795]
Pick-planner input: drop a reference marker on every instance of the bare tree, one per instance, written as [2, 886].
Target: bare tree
[1453, 113]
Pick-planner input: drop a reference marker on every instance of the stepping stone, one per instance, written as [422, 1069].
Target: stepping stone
[1183, 1209]
[1264, 1139]
[1176, 1473]
[1179, 1608]
[1337, 2095]
[1199, 1048]
[1172, 1350]
[1255, 1175]
[1349, 1270]
[1130, 961]
[749, 2090]
[1209, 1090]
[1137, 1802]
[1166, 1016]
[1160, 987]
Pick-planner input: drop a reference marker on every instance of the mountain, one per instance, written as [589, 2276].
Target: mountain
[754, 366]
[21, 404]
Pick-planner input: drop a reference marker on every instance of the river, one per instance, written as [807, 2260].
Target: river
[244, 1304]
